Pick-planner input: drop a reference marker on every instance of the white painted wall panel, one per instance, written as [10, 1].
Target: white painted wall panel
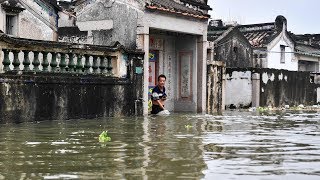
[238, 89]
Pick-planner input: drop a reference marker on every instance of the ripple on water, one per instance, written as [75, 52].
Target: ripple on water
[236, 145]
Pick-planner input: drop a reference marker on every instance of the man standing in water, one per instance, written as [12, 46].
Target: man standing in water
[159, 95]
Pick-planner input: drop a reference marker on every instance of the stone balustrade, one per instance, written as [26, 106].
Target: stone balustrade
[26, 55]
[58, 62]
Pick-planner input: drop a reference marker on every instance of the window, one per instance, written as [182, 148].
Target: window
[9, 24]
[235, 50]
[282, 54]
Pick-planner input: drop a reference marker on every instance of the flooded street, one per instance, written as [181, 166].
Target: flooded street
[235, 145]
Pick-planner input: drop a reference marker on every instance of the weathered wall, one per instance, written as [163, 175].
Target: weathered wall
[37, 21]
[72, 35]
[30, 97]
[234, 51]
[215, 87]
[281, 87]
[277, 88]
[238, 88]
[186, 45]
[120, 18]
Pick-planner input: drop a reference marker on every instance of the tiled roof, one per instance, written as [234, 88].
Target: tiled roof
[259, 35]
[309, 39]
[215, 33]
[13, 5]
[174, 7]
[307, 50]
[201, 4]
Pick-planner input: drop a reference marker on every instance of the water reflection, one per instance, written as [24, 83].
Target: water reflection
[276, 146]
[236, 145]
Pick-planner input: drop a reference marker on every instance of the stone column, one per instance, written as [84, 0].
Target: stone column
[143, 44]
[201, 73]
[255, 89]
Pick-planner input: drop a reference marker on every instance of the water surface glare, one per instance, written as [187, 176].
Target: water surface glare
[235, 145]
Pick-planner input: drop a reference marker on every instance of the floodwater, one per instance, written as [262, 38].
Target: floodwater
[235, 145]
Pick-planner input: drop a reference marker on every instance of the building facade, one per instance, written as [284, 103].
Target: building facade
[273, 45]
[173, 35]
[36, 19]
[229, 45]
[307, 51]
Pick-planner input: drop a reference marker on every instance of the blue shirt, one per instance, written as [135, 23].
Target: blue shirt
[158, 94]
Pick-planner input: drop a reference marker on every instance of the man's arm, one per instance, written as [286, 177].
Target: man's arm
[160, 104]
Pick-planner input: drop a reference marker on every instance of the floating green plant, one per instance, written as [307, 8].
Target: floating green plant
[188, 126]
[103, 137]
[262, 109]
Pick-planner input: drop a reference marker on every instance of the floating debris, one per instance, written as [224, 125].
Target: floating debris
[103, 137]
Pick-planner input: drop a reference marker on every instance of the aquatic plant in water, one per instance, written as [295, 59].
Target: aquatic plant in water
[188, 126]
[103, 137]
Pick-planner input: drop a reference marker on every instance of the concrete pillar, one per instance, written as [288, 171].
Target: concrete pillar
[223, 104]
[255, 89]
[318, 95]
[143, 44]
[202, 73]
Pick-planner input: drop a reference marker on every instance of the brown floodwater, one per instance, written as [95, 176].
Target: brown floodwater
[235, 145]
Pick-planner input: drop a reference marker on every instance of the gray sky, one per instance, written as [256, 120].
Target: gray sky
[303, 16]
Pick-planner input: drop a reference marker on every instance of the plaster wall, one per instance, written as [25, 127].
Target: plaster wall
[66, 19]
[172, 23]
[121, 17]
[282, 87]
[31, 27]
[37, 21]
[274, 56]
[238, 89]
[187, 44]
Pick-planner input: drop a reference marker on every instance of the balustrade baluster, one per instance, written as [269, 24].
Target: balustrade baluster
[26, 61]
[79, 64]
[102, 65]
[95, 64]
[71, 63]
[6, 60]
[87, 64]
[36, 61]
[16, 61]
[62, 63]
[54, 62]
[45, 62]
[109, 67]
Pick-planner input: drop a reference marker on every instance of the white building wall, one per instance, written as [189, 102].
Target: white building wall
[274, 56]
[34, 22]
[172, 23]
[2, 20]
[238, 89]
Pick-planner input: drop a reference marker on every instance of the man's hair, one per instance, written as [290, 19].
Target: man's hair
[161, 76]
